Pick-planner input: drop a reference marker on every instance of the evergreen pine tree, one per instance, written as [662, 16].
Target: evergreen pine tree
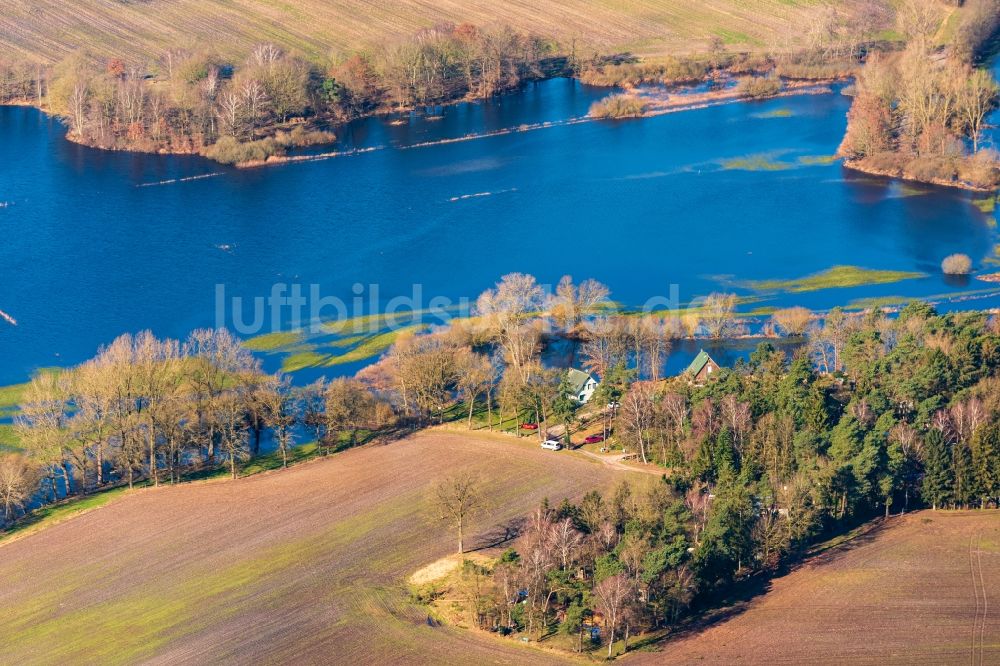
[938, 477]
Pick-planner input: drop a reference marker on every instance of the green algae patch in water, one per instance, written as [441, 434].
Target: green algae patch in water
[837, 277]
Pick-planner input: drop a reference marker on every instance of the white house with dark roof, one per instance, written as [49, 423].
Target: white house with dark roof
[582, 385]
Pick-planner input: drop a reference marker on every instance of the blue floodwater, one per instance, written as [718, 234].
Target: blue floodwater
[91, 246]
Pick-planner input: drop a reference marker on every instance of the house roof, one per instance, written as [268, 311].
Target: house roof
[699, 362]
[577, 379]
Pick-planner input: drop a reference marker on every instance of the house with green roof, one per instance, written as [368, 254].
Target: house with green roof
[702, 368]
[582, 385]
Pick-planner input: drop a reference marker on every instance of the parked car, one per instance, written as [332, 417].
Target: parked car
[594, 439]
[552, 445]
[529, 426]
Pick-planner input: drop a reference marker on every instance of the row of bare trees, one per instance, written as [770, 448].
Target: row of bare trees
[187, 100]
[448, 61]
[914, 110]
[195, 99]
[151, 409]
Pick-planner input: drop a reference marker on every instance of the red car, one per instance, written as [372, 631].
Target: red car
[529, 426]
[594, 439]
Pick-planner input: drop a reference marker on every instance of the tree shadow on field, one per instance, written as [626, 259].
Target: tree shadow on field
[828, 551]
[721, 606]
[732, 601]
[501, 534]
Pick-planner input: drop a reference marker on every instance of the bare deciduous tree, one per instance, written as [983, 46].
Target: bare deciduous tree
[571, 302]
[717, 314]
[614, 593]
[458, 499]
[637, 416]
[18, 481]
[793, 321]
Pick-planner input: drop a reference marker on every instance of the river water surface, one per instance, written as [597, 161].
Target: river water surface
[93, 244]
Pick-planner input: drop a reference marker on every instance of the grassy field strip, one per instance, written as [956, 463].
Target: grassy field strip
[53, 514]
[50, 29]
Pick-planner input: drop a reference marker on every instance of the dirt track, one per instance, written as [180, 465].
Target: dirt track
[303, 566]
[923, 589]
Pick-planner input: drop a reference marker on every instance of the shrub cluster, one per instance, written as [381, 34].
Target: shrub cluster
[758, 87]
[619, 105]
[956, 264]
[629, 75]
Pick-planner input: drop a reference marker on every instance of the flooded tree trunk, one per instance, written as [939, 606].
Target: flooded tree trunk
[153, 475]
[67, 478]
[211, 445]
[100, 464]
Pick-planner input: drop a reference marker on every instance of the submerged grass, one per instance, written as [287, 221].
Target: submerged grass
[348, 341]
[8, 440]
[834, 278]
[761, 162]
[876, 302]
[987, 205]
[890, 301]
[366, 324]
[912, 190]
[818, 160]
[301, 360]
[777, 113]
[273, 341]
[10, 396]
[770, 161]
[372, 346]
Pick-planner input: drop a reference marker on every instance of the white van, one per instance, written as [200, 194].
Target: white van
[552, 445]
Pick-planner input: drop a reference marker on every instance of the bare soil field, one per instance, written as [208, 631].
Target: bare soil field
[50, 29]
[306, 565]
[919, 589]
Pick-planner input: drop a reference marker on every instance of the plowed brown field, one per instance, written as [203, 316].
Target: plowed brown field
[301, 566]
[50, 29]
[921, 589]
